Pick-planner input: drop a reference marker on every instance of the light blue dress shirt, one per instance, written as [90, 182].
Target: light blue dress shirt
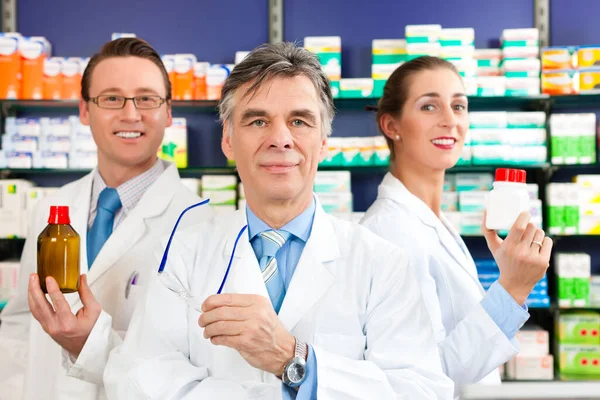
[287, 260]
[504, 310]
[499, 304]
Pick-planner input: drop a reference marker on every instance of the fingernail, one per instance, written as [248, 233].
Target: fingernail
[32, 277]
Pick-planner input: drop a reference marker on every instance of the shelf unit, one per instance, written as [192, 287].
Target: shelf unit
[541, 174]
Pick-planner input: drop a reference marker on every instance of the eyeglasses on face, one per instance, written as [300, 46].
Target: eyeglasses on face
[114, 102]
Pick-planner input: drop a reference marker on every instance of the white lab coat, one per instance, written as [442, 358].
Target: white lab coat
[352, 296]
[24, 345]
[471, 345]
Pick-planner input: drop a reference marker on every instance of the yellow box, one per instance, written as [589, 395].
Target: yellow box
[560, 82]
[589, 81]
[588, 56]
[174, 145]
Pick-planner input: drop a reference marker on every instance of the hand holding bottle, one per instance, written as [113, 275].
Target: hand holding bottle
[69, 330]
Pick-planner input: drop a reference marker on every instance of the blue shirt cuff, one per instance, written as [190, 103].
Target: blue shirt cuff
[308, 389]
[504, 310]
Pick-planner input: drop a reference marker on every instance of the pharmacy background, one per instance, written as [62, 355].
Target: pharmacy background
[534, 99]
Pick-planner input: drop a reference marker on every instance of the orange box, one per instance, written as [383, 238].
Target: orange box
[71, 80]
[559, 58]
[10, 66]
[52, 83]
[169, 63]
[34, 51]
[560, 82]
[184, 76]
[215, 78]
[200, 70]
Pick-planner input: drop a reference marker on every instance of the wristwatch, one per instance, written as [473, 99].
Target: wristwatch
[294, 373]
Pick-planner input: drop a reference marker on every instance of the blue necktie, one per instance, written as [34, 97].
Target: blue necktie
[272, 241]
[108, 204]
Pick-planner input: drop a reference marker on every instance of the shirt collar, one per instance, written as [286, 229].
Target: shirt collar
[130, 192]
[300, 226]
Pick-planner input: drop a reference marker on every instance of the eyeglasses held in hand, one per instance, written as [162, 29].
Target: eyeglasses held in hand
[173, 283]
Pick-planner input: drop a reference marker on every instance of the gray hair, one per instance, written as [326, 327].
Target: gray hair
[269, 61]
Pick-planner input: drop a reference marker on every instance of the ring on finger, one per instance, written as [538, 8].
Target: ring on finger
[538, 243]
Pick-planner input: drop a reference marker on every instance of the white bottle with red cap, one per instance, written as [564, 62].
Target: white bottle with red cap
[507, 200]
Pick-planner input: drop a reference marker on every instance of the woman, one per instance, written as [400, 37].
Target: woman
[423, 115]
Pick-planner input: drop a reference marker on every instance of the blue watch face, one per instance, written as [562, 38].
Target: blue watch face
[296, 372]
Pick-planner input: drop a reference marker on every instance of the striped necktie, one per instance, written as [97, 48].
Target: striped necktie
[272, 241]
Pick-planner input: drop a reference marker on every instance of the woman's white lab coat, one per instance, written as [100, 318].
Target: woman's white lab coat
[471, 345]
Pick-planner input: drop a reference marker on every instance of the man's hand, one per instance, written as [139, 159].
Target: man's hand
[68, 330]
[248, 324]
[521, 259]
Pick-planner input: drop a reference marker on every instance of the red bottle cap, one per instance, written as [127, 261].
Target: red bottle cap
[511, 175]
[59, 215]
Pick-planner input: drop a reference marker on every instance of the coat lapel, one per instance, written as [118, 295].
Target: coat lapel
[153, 203]
[244, 275]
[314, 273]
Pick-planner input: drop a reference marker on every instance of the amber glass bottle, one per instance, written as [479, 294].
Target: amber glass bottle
[58, 251]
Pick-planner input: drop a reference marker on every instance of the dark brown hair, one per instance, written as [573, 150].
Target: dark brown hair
[395, 92]
[124, 47]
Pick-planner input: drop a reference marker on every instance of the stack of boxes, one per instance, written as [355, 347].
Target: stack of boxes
[222, 192]
[506, 138]
[334, 192]
[489, 81]
[356, 152]
[571, 70]
[574, 272]
[521, 61]
[422, 40]
[533, 361]
[573, 138]
[578, 342]
[464, 201]
[574, 208]
[588, 59]
[47, 143]
[458, 47]
[559, 70]
[329, 51]
[60, 143]
[488, 273]
[388, 54]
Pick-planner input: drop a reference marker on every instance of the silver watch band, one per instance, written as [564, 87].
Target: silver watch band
[301, 350]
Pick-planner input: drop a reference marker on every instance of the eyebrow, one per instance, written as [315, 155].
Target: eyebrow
[253, 113]
[437, 95]
[305, 113]
[139, 90]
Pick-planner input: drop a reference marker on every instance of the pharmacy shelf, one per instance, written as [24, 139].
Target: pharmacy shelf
[576, 101]
[195, 171]
[184, 172]
[538, 102]
[533, 390]
[475, 102]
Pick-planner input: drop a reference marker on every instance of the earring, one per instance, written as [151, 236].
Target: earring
[397, 137]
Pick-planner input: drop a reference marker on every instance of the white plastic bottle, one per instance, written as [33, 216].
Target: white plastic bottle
[507, 200]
